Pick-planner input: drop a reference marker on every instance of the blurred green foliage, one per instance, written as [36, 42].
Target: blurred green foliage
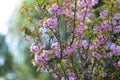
[6, 61]
[25, 70]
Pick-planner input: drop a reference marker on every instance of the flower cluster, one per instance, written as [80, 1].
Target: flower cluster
[82, 40]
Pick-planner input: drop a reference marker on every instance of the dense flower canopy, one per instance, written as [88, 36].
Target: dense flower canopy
[78, 40]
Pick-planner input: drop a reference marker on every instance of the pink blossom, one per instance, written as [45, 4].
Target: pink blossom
[81, 3]
[71, 6]
[45, 55]
[34, 48]
[104, 13]
[85, 44]
[118, 1]
[42, 46]
[43, 69]
[61, 11]
[45, 25]
[43, 58]
[116, 29]
[75, 45]
[69, 25]
[53, 9]
[106, 55]
[63, 78]
[68, 0]
[91, 2]
[117, 16]
[90, 15]
[94, 2]
[55, 46]
[70, 14]
[96, 55]
[104, 74]
[68, 51]
[37, 8]
[115, 65]
[36, 63]
[71, 76]
[52, 23]
[94, 46]
[55, 77]
[101, 39]
[97, 29]
[79, 16]
[37, 60]
[119, 63]
[105, 26]
[82, 26]
[116, 51]
[79, 30]
[114, 22]
[112, 47]
[57, 53]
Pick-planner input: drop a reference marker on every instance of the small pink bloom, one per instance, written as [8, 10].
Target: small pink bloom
[55, 77]
[69, 25]
[43, 69]
[37, 8]
[116, 29]
[68, 0]
[92, 2]
[116, 51]
[115, 65]
[104, 74]
[114, 22]
[101, 39]
[75, 45]
[34, 48]
[52, 23]
[71, 76]
[61, 11]
[117, 16]
[63, 78]
[118, 1]
[96, 55]
[105, 26]
[80, 16]
[82, 26]
[57, 53]
[79, 30]
[112, 47]
[90, 15]
[45, 25]
[97, 29]
[100, 66]
[85, 44]
[119, 62]
[55, 46]
[68, 51]
[104, 13]
[81, 3]
[53, 9]
[106, 55]
[71, 6]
